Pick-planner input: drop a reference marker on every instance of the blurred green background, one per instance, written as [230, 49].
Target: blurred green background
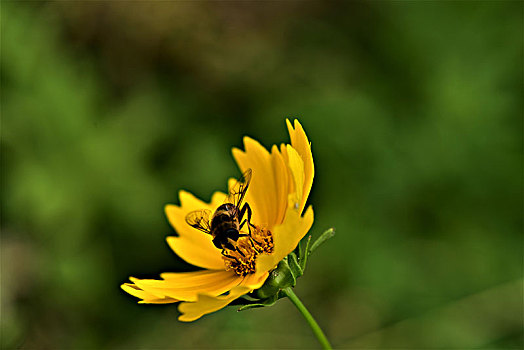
[414, 112]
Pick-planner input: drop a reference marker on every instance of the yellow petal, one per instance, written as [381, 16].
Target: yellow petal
[187, 285]
[290, 181]
[158, 301]
[286, 237]
[280, 173]
[263, 193]
[207, 304]
[192, 245]
[281, 182]
[296, 165]
[301, 144]
[147, 298]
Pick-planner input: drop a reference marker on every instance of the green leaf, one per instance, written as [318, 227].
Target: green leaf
[304, 253]
[323, 237]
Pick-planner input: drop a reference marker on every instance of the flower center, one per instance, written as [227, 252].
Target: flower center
[242, 260]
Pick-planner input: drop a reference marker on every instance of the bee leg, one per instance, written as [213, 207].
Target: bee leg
[249, 228]
[241, 215]
[239, 228]
[242, 224]
[253, 241]
[249, 213]
[246, 209]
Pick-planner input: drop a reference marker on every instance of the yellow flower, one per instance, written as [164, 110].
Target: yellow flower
[280, 184]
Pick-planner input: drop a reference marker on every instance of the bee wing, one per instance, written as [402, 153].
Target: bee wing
[199, 219]
[239, 189]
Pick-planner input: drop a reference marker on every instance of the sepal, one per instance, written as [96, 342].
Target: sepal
[294, 265]
[261, 303]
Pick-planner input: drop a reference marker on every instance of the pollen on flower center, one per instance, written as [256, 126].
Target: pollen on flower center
[242, 260]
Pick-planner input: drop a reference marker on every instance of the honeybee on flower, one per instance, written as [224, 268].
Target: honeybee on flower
[230, 226]
[239, 238]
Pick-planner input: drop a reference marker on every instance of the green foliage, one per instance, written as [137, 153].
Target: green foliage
[414, 113]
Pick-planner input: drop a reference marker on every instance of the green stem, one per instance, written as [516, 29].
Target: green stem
[309, 318]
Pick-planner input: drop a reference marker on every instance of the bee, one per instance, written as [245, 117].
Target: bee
[229, 219]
